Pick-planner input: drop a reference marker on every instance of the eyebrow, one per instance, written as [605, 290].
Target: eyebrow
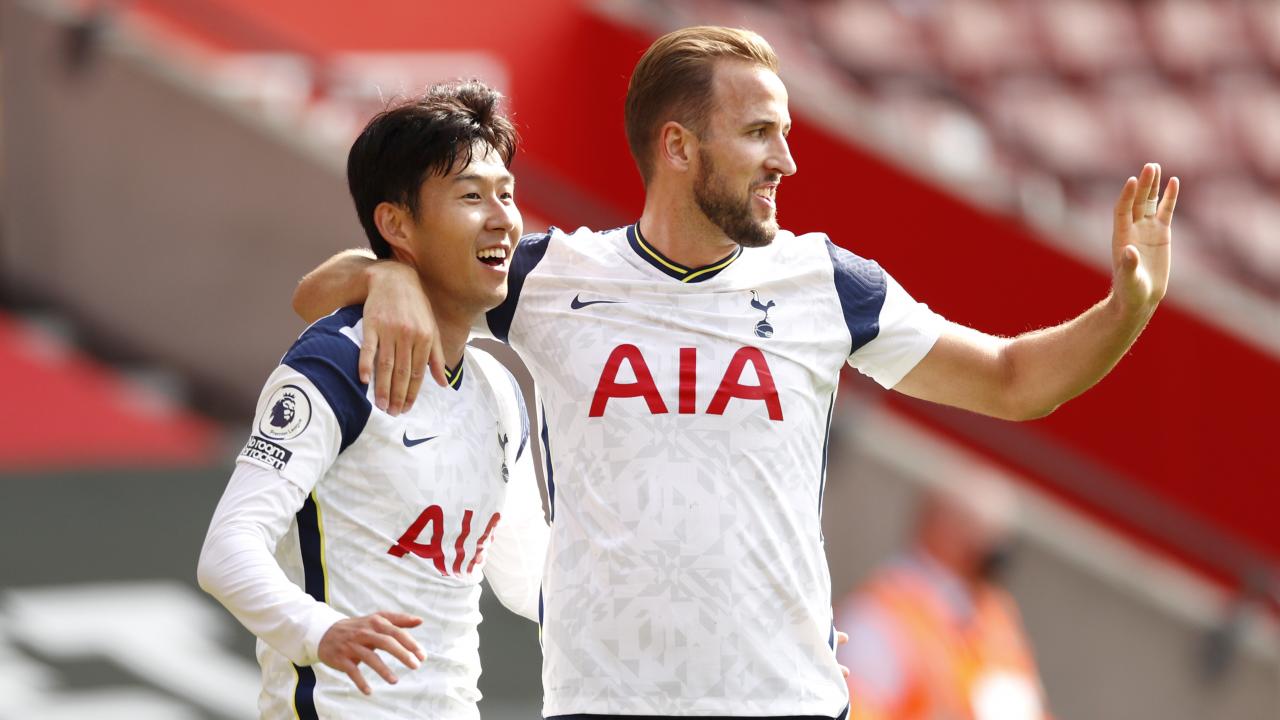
[480, 178]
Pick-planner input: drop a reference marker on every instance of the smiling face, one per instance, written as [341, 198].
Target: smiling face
[743, 153]
[462, 236]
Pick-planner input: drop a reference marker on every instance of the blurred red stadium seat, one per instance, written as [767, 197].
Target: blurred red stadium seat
[1086, 38]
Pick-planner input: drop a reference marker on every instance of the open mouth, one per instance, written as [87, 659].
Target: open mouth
[493, 257]
[767, 194]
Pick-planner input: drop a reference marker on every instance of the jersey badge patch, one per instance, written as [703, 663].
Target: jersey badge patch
[288, 414]
[267, 452]
[763, 328]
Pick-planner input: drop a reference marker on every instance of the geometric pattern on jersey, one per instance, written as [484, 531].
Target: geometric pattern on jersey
[686, 425]
[400, 514]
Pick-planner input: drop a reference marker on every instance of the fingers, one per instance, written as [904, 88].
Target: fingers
[416, 373]
[395, 621]
[403, 620]
[841, 638]
[1165, 213]
[1145, 182]
[370, 658]
[437, 362]
[383, 367]
[368, 351]
[352, 669]
[1124, 204]
[393, 645]
[400, 376]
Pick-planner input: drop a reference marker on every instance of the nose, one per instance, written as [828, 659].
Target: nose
[503, 217]
[780, 160]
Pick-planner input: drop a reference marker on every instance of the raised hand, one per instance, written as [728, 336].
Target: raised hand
[1141, 239]
[400, 337]
[352, 641]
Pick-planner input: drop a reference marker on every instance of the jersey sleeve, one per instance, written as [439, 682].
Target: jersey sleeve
[516, 558]
[528, 253]
[311, 408]
[890, 331]
[238, 566]
[295, 433]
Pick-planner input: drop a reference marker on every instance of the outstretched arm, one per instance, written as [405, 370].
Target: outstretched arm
[1031, 375]
[400, 339]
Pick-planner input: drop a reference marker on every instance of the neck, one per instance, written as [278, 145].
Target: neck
[673, 224]
[453, 327]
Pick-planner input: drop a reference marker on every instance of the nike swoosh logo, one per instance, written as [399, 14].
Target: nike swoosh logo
[578, 304]
[419, 441]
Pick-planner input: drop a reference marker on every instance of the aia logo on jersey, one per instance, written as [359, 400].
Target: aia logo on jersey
[763, 328]
[731, 385]
[288, 413]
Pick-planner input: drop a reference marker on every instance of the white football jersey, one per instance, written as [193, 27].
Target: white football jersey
[397, 513]
[685, 415]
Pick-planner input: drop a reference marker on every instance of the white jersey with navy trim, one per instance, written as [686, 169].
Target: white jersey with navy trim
[388, 513]
[685, 418]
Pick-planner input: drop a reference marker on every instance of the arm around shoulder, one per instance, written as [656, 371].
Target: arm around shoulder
[340, 281]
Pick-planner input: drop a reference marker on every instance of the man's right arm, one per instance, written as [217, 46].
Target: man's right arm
[237, 566]
[400, 339]
[291, 447]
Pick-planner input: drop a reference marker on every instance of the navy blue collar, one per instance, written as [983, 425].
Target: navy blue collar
[670, 267]
[453, 376]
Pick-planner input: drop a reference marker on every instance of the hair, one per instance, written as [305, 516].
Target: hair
[672, 81]
[432, 134]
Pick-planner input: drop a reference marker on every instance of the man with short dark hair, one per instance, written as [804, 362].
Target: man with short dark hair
[345, 531]
[688, 365]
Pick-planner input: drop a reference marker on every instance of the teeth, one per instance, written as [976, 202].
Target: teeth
[494, 252]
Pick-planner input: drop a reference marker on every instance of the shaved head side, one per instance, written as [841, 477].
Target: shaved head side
[672, 81]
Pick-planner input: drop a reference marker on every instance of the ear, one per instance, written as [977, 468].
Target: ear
[396, 226]
[677, 145]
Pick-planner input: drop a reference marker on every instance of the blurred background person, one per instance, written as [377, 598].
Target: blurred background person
[932, 634]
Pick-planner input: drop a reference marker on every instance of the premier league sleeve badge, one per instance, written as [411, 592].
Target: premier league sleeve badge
[288, 412]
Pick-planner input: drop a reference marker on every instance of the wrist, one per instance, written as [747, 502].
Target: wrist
[320, 622]
[378, 271]
[1129, 309]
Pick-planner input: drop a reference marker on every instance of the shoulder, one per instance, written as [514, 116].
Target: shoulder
[328, 354]
[333, 336]
[583, 239]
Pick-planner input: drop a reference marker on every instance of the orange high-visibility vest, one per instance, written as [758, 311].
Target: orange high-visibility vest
[955, 669]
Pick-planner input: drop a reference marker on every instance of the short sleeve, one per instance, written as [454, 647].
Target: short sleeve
[889, 331]
[908, 330]
[294, 433]
[313, 406]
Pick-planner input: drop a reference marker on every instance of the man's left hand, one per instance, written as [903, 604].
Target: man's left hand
[1141, 240]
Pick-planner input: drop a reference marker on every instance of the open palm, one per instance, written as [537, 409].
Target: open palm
[1142, 237]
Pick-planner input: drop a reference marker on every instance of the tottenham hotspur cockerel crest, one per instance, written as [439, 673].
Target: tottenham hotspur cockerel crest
[763, 328]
